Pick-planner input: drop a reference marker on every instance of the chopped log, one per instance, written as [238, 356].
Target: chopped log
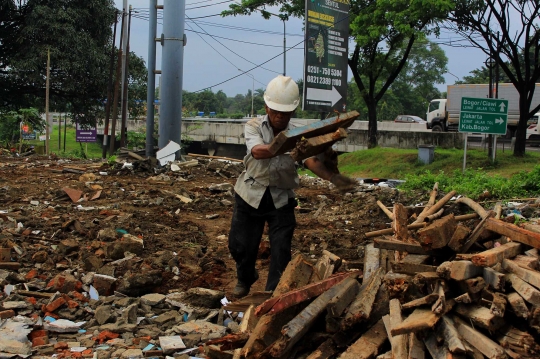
[325, 351]
[476, 232]
[371, 260]
[421, 279]
[385, 210]
[478, 340]
[527, 262]
[293, 331]
[381, 232]
[360, 308]
[266, 332]
[438, 234]
[527, 291]
[436, 207]
[497, 254]
[514, 232]
[465, 298]
[459, 270]
[339, 303]
[296, 275]
[498, 210]
[399, 223]
[440, 304]
[518, 305]
[435, 350]
[336, 261]
[448, 331]
[428, 299]
[518, 341]
[399, 342]
[313, 146]
[434, 216]
[419, 320]
[530, 276]
[230, 341]
[277, 304]
[416, 347]
[474, 206]
[532, 252]
[458, 238]
[411, 268]
[399, 246]
[397, 283]
[323, 269]
[242, 304]
[368, 345]
[249, 320]
[415, 258]
[472, 285]
[494, 279]
[479, 316]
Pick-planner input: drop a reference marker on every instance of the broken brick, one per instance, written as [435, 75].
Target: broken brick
[40, 341]
[38, 333]
[57, 303]
[61, 346]
[64, 283]
[106, 335]
[5, 314]
[31, 274]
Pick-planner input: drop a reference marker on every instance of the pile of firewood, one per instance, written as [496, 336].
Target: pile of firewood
[445, 291]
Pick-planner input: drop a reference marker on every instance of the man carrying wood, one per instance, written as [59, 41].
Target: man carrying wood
[264, 190]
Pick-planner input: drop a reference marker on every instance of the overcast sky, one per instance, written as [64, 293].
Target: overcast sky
[209, 63]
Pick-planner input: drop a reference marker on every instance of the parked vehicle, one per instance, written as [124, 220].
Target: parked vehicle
[409, 119]
[443, 114]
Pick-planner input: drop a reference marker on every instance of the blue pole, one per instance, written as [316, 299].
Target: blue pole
[151, 84]
[171, 72]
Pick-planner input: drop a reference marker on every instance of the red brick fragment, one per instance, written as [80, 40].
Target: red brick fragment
[31, 275]
[40, 341]
[57, 303]
[38, 333]
[5, 314]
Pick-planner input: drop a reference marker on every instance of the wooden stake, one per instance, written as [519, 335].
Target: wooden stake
[385, 210]
[497, 254]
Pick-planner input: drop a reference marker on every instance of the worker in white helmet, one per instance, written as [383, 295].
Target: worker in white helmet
[264, 190]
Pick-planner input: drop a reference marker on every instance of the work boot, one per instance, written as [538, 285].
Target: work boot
[241, 289]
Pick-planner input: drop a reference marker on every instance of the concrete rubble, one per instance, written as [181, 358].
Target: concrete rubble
[143, 270]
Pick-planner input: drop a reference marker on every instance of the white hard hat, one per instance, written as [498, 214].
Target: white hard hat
[282, 94]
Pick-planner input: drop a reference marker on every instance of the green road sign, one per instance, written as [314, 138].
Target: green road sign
[483, 115]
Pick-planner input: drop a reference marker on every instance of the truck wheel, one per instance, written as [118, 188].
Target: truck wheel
[437, 128]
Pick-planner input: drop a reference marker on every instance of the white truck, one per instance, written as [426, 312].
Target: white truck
[443, 114]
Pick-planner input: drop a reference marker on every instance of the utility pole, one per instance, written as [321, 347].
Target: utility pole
[125, 89]
[173, 41]
[124, 42]
[151, 84]
[284, 50]
[116, 94]
[47, 102]
[109, 89]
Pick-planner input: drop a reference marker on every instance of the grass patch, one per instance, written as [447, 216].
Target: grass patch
[398, 163]
[73, 148]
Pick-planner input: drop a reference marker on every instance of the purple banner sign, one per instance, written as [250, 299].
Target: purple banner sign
[85, 135]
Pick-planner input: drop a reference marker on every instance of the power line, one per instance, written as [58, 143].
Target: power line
[198, 7]
[242, 41]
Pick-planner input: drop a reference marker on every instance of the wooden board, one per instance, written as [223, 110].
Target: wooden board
[419, 320]
[514, 232]
[286, 140]
[369, 344]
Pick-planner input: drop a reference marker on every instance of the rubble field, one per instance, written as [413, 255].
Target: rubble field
[130, 260]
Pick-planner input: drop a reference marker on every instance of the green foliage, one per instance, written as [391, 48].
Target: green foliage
[134, 138]
[10, 123]
[111, 160]
[78, 35]
[137, 85]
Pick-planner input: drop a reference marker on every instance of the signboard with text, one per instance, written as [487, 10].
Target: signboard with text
[27, 131]
[85, 134]
[483, 115]
[326, 52]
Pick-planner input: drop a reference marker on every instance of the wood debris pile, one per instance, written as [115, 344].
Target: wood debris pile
[446, 290]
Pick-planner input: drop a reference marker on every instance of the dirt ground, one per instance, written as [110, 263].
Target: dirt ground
[187, 242]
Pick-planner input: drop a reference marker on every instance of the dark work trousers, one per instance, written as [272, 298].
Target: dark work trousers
[246, 232]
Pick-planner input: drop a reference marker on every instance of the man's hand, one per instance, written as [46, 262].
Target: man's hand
[343, 183]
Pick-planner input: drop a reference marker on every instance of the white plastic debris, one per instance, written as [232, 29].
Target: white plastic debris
[93, 293]
[168, 153]
[63, 326]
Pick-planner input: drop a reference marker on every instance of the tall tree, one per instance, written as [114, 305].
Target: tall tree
[514, 46]
[137, 84]
[78, 34]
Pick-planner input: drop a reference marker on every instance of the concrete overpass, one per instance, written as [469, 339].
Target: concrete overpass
[225, 137]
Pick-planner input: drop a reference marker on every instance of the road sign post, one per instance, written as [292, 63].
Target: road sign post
[482, 115]
[325, 55]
